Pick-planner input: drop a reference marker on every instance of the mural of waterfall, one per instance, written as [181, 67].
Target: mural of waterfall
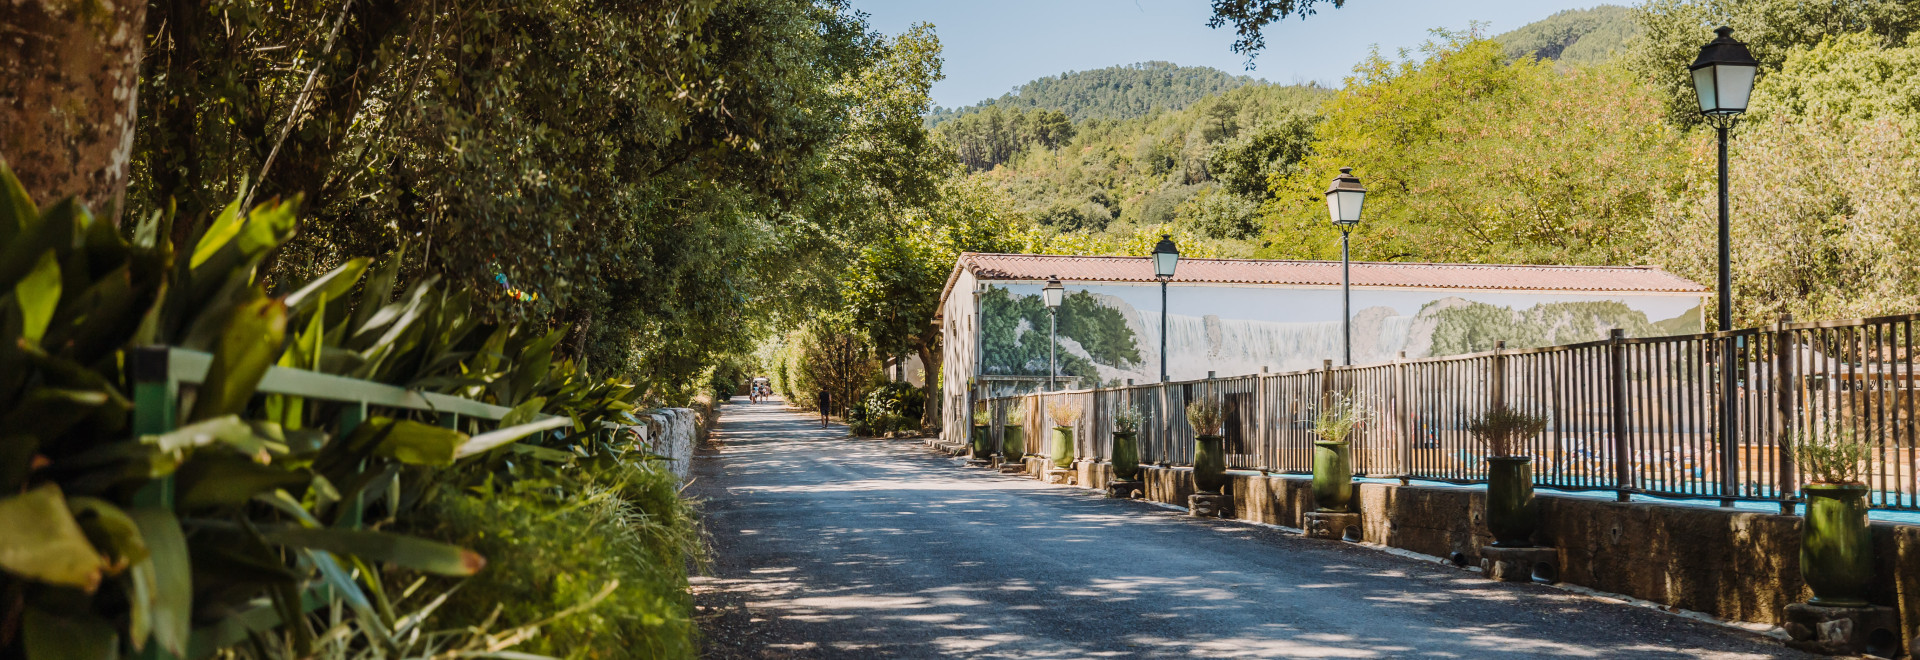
[1110, 333]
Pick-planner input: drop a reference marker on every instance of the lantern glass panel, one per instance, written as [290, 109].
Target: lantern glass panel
[1703, 88]
[1735, 83]
[1163, 263]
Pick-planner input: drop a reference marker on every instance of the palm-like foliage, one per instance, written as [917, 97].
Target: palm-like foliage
[129, 538]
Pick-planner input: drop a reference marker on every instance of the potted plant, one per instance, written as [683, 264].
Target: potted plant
[1836, 550]
[1510, 512]
[1013, 439]
[1065, 413]
[982, 435]
[1333, 453]
[1209, 448]
[1126, 443]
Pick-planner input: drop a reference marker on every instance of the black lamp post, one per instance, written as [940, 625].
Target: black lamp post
[1165, 257]
[1723, 82]
[1344, 198]
[1051, 294]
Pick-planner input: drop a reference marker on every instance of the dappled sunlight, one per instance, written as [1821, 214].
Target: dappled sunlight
[879, 547]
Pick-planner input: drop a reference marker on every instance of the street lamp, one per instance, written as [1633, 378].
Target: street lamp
[1723, 82]
[1344, 198]
[1051, 294]
[1165, 257]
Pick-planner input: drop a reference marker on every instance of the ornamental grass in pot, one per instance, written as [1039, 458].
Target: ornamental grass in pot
[1126, 443]
[1209, 448]
[982, 433]
[1333, 453]
[1013, 436]
[1836, 549]
[1065, 414]
[1510, 509]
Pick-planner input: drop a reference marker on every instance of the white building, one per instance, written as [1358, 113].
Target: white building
[1235, 316]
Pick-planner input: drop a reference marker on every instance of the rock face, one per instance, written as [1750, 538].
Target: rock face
[669, 432]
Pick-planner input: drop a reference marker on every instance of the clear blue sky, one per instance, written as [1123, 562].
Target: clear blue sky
[992, 46]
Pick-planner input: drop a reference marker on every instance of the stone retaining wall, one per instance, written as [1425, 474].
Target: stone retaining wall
[670, 432]
[1732, 564]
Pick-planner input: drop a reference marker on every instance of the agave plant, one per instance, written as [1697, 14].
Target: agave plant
[131, 535]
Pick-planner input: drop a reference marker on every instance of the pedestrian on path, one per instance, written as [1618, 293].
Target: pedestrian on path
[826, 403]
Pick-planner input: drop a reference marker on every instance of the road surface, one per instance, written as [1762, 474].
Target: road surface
[832, 547]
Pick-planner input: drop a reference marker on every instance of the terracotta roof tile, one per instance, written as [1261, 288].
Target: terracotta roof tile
[1321, 273]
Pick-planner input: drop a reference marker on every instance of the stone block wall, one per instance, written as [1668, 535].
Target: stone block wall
[671, 432]
[1732, 564]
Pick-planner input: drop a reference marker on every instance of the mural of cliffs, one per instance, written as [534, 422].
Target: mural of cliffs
[1108, 334]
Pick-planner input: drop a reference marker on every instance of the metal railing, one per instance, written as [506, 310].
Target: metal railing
[1708, 416]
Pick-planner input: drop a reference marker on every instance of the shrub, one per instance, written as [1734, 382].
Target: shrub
[1830, 453]
[1337, 420]
[1066, 412]
[898, 398]
[885, 423]
[1205, 416]
[1127, 420]
[1502, 429]
[555, 541]
[893, 406]
[1017, 412]
[982, 417]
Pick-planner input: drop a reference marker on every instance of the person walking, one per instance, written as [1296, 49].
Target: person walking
[826, 404]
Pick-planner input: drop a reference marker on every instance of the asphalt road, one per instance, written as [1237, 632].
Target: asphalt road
[831, 547]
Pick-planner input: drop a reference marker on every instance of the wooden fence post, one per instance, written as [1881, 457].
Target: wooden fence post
[1326, 384]
[1784, 390]
[1617, 395]
[1401, 422]
[1261, 442]
[1497, 389]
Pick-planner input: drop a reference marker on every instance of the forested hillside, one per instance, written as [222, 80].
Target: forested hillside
[1204, 168]
[1588, 153]
[1574, 36]
[1116, 92]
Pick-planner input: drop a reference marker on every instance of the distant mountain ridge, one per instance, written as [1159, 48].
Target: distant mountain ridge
[1115, 92]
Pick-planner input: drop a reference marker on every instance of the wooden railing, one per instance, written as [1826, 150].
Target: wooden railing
[1710, 416]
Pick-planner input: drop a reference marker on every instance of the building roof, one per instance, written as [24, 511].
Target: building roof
[1075, 268]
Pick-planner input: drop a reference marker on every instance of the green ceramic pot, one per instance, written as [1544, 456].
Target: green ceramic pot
[1126, 456]
[1062, 450]
[1013, 443]
[1510, 512]
[982, 441]
[1836, 550]
[1209, 463]
[1332, 476]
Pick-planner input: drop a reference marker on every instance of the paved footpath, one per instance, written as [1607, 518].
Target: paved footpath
[832, 547]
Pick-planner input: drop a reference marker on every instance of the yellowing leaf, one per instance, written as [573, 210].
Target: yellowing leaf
[249, 345]
[224, 228]
[38, 295]
[43, 542]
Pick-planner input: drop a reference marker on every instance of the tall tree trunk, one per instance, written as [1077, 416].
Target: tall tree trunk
[69, 82]
[930, 362]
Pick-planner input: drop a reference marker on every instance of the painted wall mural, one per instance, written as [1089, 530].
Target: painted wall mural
[1109, 333]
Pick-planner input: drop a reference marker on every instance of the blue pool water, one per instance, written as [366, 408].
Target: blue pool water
[1909, 517]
